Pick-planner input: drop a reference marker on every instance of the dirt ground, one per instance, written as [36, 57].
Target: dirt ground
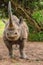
[34, 51]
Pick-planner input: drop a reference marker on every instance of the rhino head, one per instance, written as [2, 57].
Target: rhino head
[12, 29]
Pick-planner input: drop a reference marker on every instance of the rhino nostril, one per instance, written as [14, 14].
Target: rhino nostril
[15, 33]
[7, 33]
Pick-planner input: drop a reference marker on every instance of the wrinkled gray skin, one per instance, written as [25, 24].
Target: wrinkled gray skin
[15, 32]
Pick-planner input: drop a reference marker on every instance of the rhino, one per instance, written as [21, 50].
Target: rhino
[15, 32]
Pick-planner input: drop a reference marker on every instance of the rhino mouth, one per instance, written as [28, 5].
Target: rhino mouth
[13, 37]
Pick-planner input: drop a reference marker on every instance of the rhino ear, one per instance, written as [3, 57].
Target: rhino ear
[3, 21]
[20, 19]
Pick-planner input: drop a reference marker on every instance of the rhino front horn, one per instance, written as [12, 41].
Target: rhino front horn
[10, 14]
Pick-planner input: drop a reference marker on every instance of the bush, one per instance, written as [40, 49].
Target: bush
[36, 36]
[38, 16]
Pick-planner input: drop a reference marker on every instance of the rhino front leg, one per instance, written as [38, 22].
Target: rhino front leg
[10, 51]
[22, 52]
[9, 47]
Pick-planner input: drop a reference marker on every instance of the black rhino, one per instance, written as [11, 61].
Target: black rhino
[15, 32]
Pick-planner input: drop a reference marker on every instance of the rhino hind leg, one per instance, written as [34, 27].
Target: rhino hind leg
[22, 53]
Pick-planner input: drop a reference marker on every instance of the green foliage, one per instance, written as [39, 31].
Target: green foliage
[28, 4]
[40, 5]
[1, 27]
[38, 16]
[36, 36]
